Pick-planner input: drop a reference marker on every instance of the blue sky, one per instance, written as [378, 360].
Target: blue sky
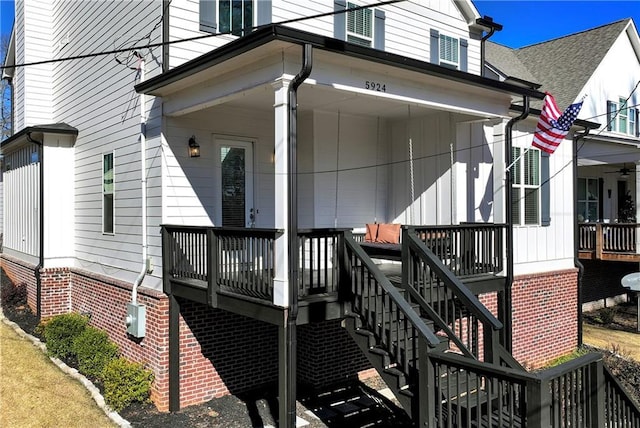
[525, 22]
[529, 22]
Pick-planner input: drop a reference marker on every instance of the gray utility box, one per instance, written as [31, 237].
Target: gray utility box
[136, 319]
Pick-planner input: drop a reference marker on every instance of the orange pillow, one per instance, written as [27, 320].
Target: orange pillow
[372, 232]
[388, 233]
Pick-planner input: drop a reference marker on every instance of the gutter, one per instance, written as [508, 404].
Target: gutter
[292, 312]
[41, 221]
[508, 318]
[276, 32]
[576, 259]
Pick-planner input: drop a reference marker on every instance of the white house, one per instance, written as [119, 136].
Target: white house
[203, 177]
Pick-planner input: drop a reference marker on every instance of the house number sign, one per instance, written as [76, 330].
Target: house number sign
[375, 86]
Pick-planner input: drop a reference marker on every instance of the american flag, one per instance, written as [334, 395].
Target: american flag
[553, 126]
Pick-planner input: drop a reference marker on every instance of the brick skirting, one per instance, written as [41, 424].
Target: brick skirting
[545, 316]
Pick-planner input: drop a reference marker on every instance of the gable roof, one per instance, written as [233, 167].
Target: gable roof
[563, 65]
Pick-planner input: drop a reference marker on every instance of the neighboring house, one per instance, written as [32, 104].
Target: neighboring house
[602, 64]
[205, 191]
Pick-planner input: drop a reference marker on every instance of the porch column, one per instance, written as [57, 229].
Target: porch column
[281, 268]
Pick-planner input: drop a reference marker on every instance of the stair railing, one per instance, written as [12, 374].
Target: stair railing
[384, 311]
[455, 310]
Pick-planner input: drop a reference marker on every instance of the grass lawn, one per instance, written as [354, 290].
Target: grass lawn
[36, 393]
[624, 343]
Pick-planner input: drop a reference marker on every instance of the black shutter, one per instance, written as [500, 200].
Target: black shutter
[637, 113]
[435, 47]
[464, 45]
[264, 12]
[545, 190]
[378, 28]
[340, 20]
[208, 16]
[610, 110]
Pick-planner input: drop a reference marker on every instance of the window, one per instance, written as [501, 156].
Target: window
[107, 193]
[526, 186]
[622, 118]
[364, 26]
[234, 16]
[449, 51]
[588, 199]
[237, 17]
[359, 25]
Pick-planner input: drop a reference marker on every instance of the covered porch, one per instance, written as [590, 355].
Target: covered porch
[303, 139]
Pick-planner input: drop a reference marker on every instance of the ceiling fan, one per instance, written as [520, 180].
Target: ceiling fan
[624, 171]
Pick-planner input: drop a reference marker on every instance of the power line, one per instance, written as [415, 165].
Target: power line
[195, 38]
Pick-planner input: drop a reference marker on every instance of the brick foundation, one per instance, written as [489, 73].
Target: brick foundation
[21, 272]
[545, 316]
[327, 355]
[222, 353]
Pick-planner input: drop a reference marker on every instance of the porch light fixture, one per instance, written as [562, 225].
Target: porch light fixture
[194, 147]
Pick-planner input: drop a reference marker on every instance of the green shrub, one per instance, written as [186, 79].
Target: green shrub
[61, 331]
[125, 382]
[607, 315]
[94, 350]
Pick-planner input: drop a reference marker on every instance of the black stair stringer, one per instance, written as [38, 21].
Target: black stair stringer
[379, 359]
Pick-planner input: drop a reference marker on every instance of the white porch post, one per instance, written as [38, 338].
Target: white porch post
[281, 268]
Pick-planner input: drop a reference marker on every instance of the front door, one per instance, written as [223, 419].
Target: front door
[236, 183]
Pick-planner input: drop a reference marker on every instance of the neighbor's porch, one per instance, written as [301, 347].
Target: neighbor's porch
[609, 241]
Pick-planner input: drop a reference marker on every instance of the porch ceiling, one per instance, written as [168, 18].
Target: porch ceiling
[608, 151]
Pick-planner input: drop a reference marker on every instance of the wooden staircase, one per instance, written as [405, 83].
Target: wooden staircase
[438, 349]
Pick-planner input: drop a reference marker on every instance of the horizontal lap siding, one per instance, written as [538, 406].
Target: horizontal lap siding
[407, 27]
[37, 90]
[97, 96]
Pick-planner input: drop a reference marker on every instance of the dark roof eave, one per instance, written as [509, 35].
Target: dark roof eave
[54, 128]
[287, 34]
[578, 122]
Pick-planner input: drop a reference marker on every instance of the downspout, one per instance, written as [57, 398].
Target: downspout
[41, 221]
[486, 21]
[292, 313]
[508, 318]
[136, 314]
[576, 234]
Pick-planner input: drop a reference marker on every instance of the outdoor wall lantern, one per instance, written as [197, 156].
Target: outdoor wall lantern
[194, 147]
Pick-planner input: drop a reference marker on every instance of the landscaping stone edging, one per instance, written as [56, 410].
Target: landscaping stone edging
[95, 392]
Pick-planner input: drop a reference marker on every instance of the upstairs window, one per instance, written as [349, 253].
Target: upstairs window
[108, 193]
[237, 17]
[622, 118]
[359, 26]
[448, 51]
[364, 27]
[449, 48]
[526, 186]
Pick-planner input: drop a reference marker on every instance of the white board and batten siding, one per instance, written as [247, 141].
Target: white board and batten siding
[548, 248]
[22, 203]
[96, 95]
